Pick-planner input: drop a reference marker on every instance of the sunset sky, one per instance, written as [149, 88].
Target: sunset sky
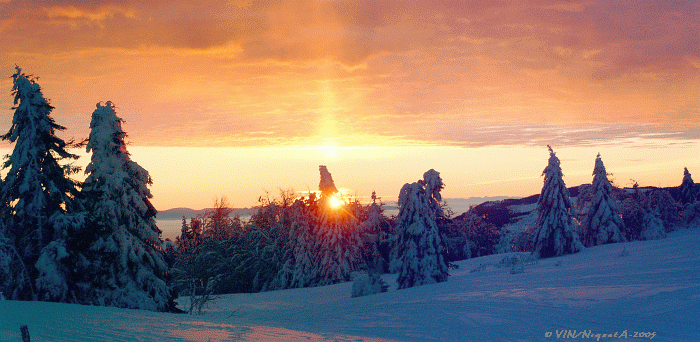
[235, 98]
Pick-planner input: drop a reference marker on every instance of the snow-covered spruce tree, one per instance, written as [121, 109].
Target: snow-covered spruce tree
[301, 270]
[689, 200]
[691, 214]
[555, 234]
[419, 248]
[326, 185]
[633, 212]
[39, 207]
[669, 210]
[126, 266]
[688, 193]
[378, 233]
[339, 251]
[602, 223]
[433, 185]
[652, 226]
[338, 232]
[375, 238]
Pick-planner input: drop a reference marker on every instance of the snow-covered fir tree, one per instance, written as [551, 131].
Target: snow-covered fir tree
[374, 251]
[689, 196]
[339, 250]
[303, 242]
[691, 214]
[418, 248]
[652, 226]
[126, 264]
[555, 234]
[338, 233]
[602, 223]
[433, 185]
[378, 237]
[301, 270]
[668, 208]
[326, 185]
[39, 207]
[633, 211]
[687, 189]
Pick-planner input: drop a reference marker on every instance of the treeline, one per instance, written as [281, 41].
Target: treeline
[296, 241]
[600, 212]
[319, 239]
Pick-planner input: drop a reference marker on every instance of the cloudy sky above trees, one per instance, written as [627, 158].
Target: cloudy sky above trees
[262, 74]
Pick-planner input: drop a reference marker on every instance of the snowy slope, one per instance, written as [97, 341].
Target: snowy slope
[651, 286]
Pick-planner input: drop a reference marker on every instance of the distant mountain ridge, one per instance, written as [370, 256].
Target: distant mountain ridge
[178, 213]
[499, 212]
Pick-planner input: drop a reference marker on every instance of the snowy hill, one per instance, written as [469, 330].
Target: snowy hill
[636, 287]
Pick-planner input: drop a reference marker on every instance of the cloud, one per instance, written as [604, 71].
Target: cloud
[404, 70]
[74, 13]
[627, 36]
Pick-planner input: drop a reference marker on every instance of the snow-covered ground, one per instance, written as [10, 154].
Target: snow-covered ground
[629, 288]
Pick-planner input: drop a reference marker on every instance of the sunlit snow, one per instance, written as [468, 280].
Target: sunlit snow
[640, 286]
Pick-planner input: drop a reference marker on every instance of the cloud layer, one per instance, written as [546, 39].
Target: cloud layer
[247, 72]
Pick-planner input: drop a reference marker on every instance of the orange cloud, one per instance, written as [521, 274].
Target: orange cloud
[72, 12]
[214, 72]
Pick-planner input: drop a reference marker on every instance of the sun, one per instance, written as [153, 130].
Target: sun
[329, 151]
[335, 202]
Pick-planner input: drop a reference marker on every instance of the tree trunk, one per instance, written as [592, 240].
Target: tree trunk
[25, 333]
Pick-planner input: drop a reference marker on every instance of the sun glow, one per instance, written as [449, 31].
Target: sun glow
[329, 151]
[335, 202]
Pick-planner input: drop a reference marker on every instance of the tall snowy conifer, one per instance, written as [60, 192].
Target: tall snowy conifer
[419, 248]
[603, 223]
[127, 267]
[326, 185]
[378, 234]
[688, 192]
[304, 271]
[38, 206]
[339, 252]
[433, 185]
[555, 234]
[689, 199]
[338, 233]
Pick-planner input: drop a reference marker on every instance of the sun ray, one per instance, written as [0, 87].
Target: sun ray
[335, 202]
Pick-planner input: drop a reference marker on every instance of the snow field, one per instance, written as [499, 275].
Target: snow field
[641, 286]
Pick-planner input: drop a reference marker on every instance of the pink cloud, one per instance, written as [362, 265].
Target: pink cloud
[401, 69]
